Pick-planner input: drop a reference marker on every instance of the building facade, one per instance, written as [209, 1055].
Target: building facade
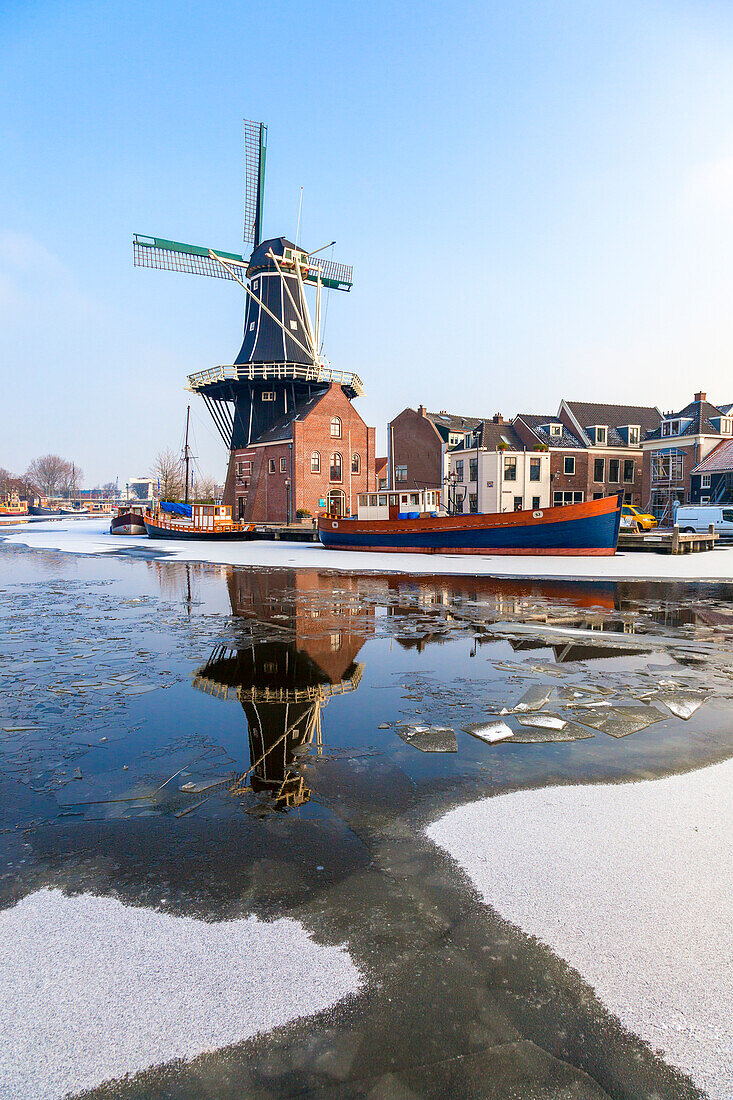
[613, 436]
[316, 458]
[417, 444]
[492, 471]
[568, 456]
[677, 448]
[711, 481]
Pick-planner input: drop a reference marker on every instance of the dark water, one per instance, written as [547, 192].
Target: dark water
[243, 741]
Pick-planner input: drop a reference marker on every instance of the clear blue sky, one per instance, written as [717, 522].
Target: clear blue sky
[537, 199]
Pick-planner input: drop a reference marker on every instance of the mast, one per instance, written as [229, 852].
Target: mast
[185, 452]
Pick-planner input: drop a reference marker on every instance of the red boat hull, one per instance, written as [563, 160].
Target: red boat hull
[589, 529]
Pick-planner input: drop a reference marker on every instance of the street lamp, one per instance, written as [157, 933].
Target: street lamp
[287, 491]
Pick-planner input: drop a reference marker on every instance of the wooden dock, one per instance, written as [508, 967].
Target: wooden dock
[668, 541]
[293, 532]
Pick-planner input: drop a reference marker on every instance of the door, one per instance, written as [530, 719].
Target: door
[336, 501]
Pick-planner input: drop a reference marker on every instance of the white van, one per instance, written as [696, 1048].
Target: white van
[698, 517]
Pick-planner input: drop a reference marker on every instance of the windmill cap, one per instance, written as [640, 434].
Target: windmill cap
[260, 261]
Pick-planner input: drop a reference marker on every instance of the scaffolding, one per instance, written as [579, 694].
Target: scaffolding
[667, 483]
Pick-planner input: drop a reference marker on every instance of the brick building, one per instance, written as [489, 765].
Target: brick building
[568, 455]
[612, 436]
[417, 442]
[316, 457]
[493, 471]
[678, 446]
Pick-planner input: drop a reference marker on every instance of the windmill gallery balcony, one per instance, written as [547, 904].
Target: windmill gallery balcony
[281, 372]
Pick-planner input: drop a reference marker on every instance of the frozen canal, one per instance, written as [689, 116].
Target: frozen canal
[304, 833]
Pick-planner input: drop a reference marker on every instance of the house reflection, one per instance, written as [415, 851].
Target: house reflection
[284, 683]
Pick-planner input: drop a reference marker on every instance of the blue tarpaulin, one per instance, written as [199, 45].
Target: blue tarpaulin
[176, 509]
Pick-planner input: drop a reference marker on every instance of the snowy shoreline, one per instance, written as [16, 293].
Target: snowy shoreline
[629, 883]
[93, 537]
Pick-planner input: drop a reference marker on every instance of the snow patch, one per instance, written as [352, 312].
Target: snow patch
[631, 885]
[92, 989]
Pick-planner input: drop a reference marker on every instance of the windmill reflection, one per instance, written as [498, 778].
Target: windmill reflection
[283, 684]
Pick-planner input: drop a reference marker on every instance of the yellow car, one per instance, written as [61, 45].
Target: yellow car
[643, 520]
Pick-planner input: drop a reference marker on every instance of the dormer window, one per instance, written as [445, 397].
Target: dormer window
[634, 434]
[555, 430]
[722, 424]
[598, 435]
[671, 427]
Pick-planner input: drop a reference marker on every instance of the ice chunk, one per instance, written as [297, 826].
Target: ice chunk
[620, 721]
[682, 704]
[542, 721]
[490, 731]
[534, 698]
[532, 735]
[430, 738]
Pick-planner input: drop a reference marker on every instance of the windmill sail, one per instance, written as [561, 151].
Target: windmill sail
[333, 275]
[190, 258]
[255, 149]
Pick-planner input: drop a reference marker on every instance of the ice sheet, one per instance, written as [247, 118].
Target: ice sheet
[648, 866]
[92, 989]
[92, 537]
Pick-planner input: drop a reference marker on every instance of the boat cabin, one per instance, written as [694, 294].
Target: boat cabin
[402, 505]
[210, 515]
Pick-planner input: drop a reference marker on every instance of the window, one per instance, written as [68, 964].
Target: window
[510, 469]
[570, 497]
[382, 500]
[414, 498]
[459, 470]
[268, 395]
[473, 469]
[614, 466]
[355, 464]
[727, 515]
[600, 436]
[294, 326]
[473, 502]
[555, 430]
[336, 502]
[518, 504]
[283, 465]
[704, 500]
[599, 469]
[240, 469]
[400, 473]
[271, 466]
[725, 427]
[534, 469]
[705, 481]
[535, 503]
[316, 462]
[336, 465]
[633, 436]
[597, 496]
[569, 465]
[628, 469]
[335, 427]
[251, 326]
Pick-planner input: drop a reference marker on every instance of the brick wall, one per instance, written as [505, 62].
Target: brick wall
[415, 443]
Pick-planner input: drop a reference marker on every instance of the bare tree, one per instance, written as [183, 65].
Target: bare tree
[168, 473]
[48, 473]
[5, 480]
[206, 489]
[72, 478]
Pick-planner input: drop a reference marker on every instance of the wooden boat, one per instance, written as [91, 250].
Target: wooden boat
[128, 521]
[13, 505]
[195, 521]
[73, 511]
[413, 524]
[43, 509]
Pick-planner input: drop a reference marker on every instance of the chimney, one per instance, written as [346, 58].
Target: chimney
[701, 396]
[421, 410]
[497, 418]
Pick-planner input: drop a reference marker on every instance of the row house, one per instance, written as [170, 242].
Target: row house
[613, 436]
[492, 471]
[316, 458]
[417, 444]
[678, 449]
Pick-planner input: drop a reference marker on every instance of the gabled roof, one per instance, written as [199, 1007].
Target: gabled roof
[488, 434]
[447, 422]
[719, 461]
[565, 440]
[282, 429]
[587, 413]
[699, 413]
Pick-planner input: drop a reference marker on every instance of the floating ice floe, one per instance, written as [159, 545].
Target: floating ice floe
[542, 721]
[93, 990]
[682, 704]
[490, 731]
[430, 738]
[535, 735]
[619, 721]
[534, 698]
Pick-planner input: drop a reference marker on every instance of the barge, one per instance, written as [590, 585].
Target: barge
[411, 522]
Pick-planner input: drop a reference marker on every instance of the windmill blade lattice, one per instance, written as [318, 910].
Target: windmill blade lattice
[336, 276]
[174, 256]
[255, 148]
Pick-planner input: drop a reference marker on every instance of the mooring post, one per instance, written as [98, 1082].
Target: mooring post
[676, 539]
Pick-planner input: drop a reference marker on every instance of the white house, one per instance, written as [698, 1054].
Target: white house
[493, 472]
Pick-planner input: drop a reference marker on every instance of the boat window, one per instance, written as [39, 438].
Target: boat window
[394, 499]
[414, 498]
[403, 498]
[373, 500]
[382, 499]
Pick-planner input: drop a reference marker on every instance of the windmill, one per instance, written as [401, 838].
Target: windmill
[280, 361]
